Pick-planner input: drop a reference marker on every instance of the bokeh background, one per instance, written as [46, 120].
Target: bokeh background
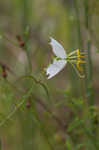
[35, 113]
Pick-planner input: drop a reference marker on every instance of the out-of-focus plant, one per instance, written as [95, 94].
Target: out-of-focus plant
[36, 113]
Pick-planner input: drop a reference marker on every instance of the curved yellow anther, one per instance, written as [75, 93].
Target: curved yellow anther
[79, 61]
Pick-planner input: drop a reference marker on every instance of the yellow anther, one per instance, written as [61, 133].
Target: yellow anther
[78, 52]
[78, 65]
[79, 61]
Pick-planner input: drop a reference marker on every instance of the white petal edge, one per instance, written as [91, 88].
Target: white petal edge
[55, 68]
[57, 48]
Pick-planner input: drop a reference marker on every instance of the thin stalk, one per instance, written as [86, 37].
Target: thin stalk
[37, 82]
[88, 80]
[26, 21]
[24, 97]
[79, 42]
[89, 87]
[89, 61]
[78, 23]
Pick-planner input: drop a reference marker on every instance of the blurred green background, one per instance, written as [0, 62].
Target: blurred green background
[35, 113]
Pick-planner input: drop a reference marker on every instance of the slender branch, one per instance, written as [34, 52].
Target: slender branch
[89, 90]
[88, 81]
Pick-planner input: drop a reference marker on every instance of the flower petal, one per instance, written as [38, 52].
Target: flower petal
[55, 67]
[57, 48]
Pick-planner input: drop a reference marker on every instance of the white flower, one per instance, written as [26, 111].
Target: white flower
[59, 62]
[57, 48]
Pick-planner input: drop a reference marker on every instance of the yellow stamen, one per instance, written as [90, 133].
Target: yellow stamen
[79, 61]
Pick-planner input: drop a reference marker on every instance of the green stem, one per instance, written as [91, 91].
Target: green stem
[89, 89]
[88, 81]
[26, 21]
[78, 23]
[88, 71]
[24, 97]
[37, 82]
